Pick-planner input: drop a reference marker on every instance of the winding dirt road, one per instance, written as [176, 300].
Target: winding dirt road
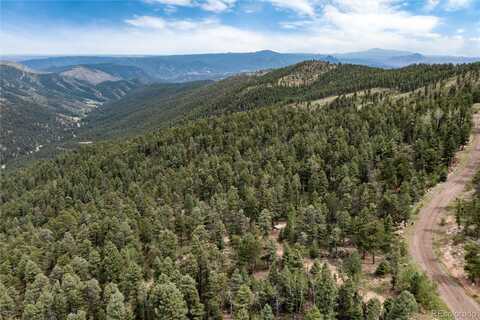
[421, 241]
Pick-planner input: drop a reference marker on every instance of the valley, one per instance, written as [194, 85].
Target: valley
[42, 109]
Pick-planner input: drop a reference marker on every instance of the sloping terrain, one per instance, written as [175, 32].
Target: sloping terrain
[41, 108]
[108, 72]
[88, 75]
[179, 219]
[158, 106]
[184, 68]
[421, 243]
[152, 106]
[306, 81]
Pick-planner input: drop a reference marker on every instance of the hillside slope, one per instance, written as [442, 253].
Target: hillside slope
[306, 81]
[179, 219]
[40, 108]
[109, 71]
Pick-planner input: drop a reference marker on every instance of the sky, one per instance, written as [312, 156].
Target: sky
[157, 27]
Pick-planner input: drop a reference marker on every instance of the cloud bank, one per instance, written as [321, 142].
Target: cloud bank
[319, 27]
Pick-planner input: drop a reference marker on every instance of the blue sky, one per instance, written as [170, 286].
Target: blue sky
[198, 26]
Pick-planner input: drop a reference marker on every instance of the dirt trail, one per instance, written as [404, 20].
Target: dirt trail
[421, 242]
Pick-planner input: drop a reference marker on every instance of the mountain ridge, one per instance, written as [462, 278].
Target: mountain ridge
[40, 108]
[215, 66]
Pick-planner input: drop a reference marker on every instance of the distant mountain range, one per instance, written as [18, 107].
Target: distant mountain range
[181, 68]
[184, 68]
[396, 59]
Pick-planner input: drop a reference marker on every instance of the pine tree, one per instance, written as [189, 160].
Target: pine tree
[402, 307]
[32, 312]
[352, 266]
[116, 307]
[168, 244]
[243, 298]
[7, 304]
[472, 261]
[130, 279]
[80, 315]
[35, 288]
[314, 314]
[112, 263]
[60, 303]
[45, 303]
[325, 292]
[267, 313]
[373, 309]
[31, 271]
[190, 294]
[265, 222]
[241, 314]
[72, 288]
[349, 304]
[167, 302]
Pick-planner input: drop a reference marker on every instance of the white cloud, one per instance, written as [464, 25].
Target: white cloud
[378, 17]
[347, 25]
[149, 22]
[431, 4]
[302, 7]
[340, 26]
[173, 2]
[453, 5]
[207, 5]
[217, 5]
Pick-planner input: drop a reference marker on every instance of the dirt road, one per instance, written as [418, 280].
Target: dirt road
[421, 242]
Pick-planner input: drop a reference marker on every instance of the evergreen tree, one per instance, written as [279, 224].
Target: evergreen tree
[112, 263]
[190, 294]
[116, 307]
[32, 312]
[92, 293]
[7, 304]
[402, 307]
[267, 313]
[314, 314]
[373, 309]
[472, 261]
[80, 315]
[325, 291]
[167, 302]
[265, 222]
[243, 298]
[349, 304]
[352, 266]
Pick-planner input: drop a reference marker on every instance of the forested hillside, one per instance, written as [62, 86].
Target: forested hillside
[150, 107]
[241, 214]
[307, 81]
[37, 109]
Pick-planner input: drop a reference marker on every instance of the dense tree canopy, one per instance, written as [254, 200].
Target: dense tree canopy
[176, 224]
